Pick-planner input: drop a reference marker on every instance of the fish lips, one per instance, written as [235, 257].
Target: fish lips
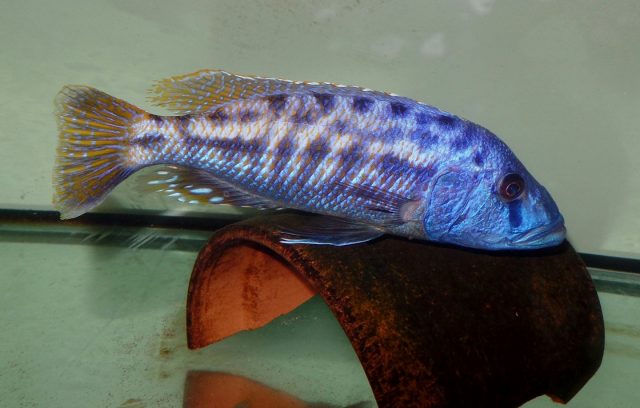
[542, 236]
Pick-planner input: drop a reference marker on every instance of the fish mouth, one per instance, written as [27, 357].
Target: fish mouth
[542, 236]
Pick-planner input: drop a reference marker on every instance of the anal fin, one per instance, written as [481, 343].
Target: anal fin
[195, 186]
[327, 230]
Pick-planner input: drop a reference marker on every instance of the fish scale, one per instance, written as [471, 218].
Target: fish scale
[368, 161]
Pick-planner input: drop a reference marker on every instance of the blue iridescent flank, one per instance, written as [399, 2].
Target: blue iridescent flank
[219, 116]
[325, 100]
[362, 104]
[147, 140]
[277, 103]
[398, 109]
[478, 159]
[456, 185]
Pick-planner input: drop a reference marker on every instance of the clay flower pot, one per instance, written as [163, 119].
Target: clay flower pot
[434, 326]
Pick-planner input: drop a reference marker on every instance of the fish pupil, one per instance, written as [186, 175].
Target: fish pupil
[511, 187]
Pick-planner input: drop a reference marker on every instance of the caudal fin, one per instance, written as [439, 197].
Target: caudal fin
[94, 130]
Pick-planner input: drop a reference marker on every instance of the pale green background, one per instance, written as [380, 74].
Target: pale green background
[557, 80]
[84, 326]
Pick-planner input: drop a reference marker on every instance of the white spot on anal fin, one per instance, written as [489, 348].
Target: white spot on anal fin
[201, 190]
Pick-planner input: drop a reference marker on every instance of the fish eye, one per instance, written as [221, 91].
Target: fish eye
[511, 187]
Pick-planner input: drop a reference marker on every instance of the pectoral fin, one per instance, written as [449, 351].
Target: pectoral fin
[391, 209]
[327, 230]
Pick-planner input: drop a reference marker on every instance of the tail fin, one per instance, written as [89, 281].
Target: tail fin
[91, 157]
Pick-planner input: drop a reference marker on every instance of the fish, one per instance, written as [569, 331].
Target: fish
[365, 162]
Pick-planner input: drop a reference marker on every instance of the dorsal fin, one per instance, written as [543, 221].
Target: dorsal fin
[202, 90]
[195, 186]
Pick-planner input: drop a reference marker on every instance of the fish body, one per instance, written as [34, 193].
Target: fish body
[369, 162]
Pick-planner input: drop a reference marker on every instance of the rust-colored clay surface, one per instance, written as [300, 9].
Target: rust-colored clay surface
[250, 288]
[433, 326]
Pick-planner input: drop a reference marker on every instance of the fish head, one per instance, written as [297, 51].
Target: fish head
[497, 206]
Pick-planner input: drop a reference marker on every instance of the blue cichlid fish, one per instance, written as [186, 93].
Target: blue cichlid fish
[369, 162]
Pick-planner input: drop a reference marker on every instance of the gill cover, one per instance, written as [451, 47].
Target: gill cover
[447, 204]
